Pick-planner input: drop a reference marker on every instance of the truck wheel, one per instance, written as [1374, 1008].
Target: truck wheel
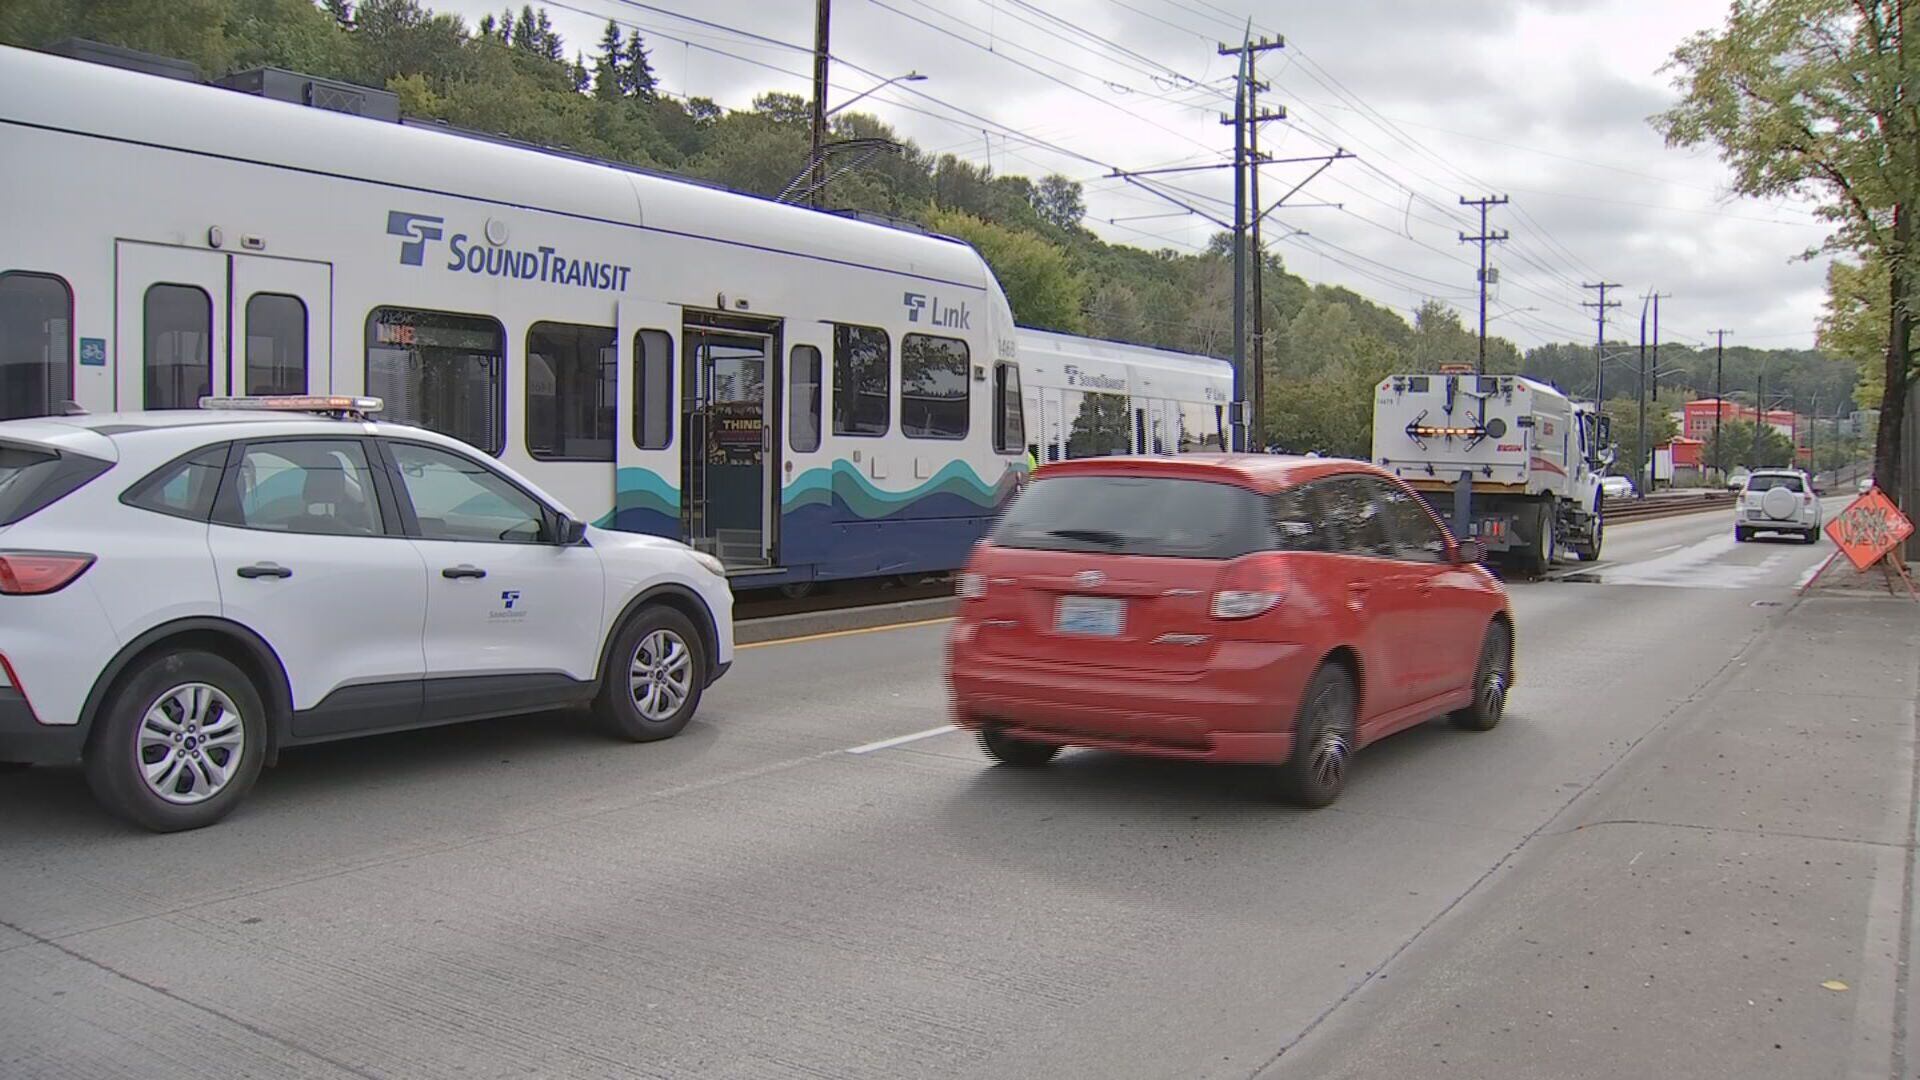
[1590, 552]
[1540, 555]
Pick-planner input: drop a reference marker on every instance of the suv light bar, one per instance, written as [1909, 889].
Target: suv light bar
[340, 405]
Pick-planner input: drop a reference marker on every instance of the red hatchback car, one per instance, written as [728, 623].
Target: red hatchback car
[1224, 608]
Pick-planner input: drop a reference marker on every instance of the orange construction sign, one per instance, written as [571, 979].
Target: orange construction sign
[1869, 528]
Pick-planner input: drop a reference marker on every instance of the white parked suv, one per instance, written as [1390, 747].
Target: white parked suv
[1778, 501]
[185, 594]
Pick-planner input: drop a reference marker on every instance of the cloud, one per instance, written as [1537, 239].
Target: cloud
[1544, 100]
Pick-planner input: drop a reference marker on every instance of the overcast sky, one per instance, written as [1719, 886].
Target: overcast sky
[1545, 101]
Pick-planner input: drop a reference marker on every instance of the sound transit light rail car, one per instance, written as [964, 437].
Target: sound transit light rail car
[1091, 398]
[805, 395]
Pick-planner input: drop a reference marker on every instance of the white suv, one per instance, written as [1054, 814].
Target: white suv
[185, 594]
[1778, 501]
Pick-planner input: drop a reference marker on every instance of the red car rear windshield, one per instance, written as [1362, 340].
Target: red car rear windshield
[1136, 515]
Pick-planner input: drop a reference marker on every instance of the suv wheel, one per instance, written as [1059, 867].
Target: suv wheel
[1491, 677]
[1019, 753]
[1740, 534]
[1323, 737]
[179, 741]
[655, 673]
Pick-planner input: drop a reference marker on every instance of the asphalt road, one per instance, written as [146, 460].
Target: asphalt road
[799, 887]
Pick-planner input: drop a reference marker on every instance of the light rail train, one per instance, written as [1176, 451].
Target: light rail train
[807, 395]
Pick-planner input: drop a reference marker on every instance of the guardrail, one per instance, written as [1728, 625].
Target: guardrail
[1667, 505]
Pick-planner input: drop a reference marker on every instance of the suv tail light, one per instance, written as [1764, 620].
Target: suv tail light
[1243, 604]
[35, 573]
[971, 586]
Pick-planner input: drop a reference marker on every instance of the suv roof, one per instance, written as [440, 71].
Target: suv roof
[1262, 472]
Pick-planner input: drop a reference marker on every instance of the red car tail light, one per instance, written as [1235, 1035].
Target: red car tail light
[971, 586]
[1250, 587]
[35, 573]
[1243, 604]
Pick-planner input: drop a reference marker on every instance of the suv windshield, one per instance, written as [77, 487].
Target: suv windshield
[33, 478]
[1768, 481]
[1136, 515]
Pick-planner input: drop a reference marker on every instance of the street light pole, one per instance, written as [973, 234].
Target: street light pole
[911, 76]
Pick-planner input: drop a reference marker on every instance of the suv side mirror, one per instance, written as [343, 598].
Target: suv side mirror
[1468, 551]
[570, 531]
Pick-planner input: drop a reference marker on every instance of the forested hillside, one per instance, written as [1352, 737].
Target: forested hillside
[512, 74]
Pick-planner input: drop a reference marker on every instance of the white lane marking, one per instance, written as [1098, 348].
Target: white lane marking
[902, 740]
[1669, 547]
[1808, 576]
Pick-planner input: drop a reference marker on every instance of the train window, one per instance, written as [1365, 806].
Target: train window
[179, 369]
[1100, 428]
[862, 380]
[571, 371]
[1009, 417]
[803, 399]
[934, 387]
[276, 344]
[36, 344]
[440, 371]
[653, 390]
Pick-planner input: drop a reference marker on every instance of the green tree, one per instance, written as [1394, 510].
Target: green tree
[607, 71]
[1625, 416]
[1040, 282]
[1854, 325]
[636, 74]
[1440, 338]
[1059, 202]
[1818, 97]
[1747, 445]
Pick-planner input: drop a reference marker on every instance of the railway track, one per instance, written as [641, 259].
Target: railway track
[1667, 505]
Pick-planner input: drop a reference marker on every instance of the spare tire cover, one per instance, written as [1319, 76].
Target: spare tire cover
[1779, 503]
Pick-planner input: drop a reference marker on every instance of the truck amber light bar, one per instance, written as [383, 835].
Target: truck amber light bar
[315, 403]
[1428, 431]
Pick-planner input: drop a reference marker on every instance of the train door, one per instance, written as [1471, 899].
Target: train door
[647, 472]
[282, 322]
[171, 320]
[727, 449]
[1053, 424]
[194, 323]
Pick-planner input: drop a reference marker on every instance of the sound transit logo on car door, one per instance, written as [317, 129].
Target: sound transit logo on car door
[489, 257]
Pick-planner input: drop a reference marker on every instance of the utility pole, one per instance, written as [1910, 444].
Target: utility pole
[817, 180]
[1646, 452]
[1642, 459]
[1719, 396]
[1483, 240]
[1656, 346]
[1245, 163]
[1600, 338]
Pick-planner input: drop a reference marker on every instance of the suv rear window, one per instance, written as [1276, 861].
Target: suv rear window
[33, 478]
[1769, 481]
[1136, 515]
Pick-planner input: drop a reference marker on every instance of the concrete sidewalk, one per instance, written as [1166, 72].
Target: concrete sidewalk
[1734, 898]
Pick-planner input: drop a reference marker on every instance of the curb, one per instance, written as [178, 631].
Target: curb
[869, 617]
